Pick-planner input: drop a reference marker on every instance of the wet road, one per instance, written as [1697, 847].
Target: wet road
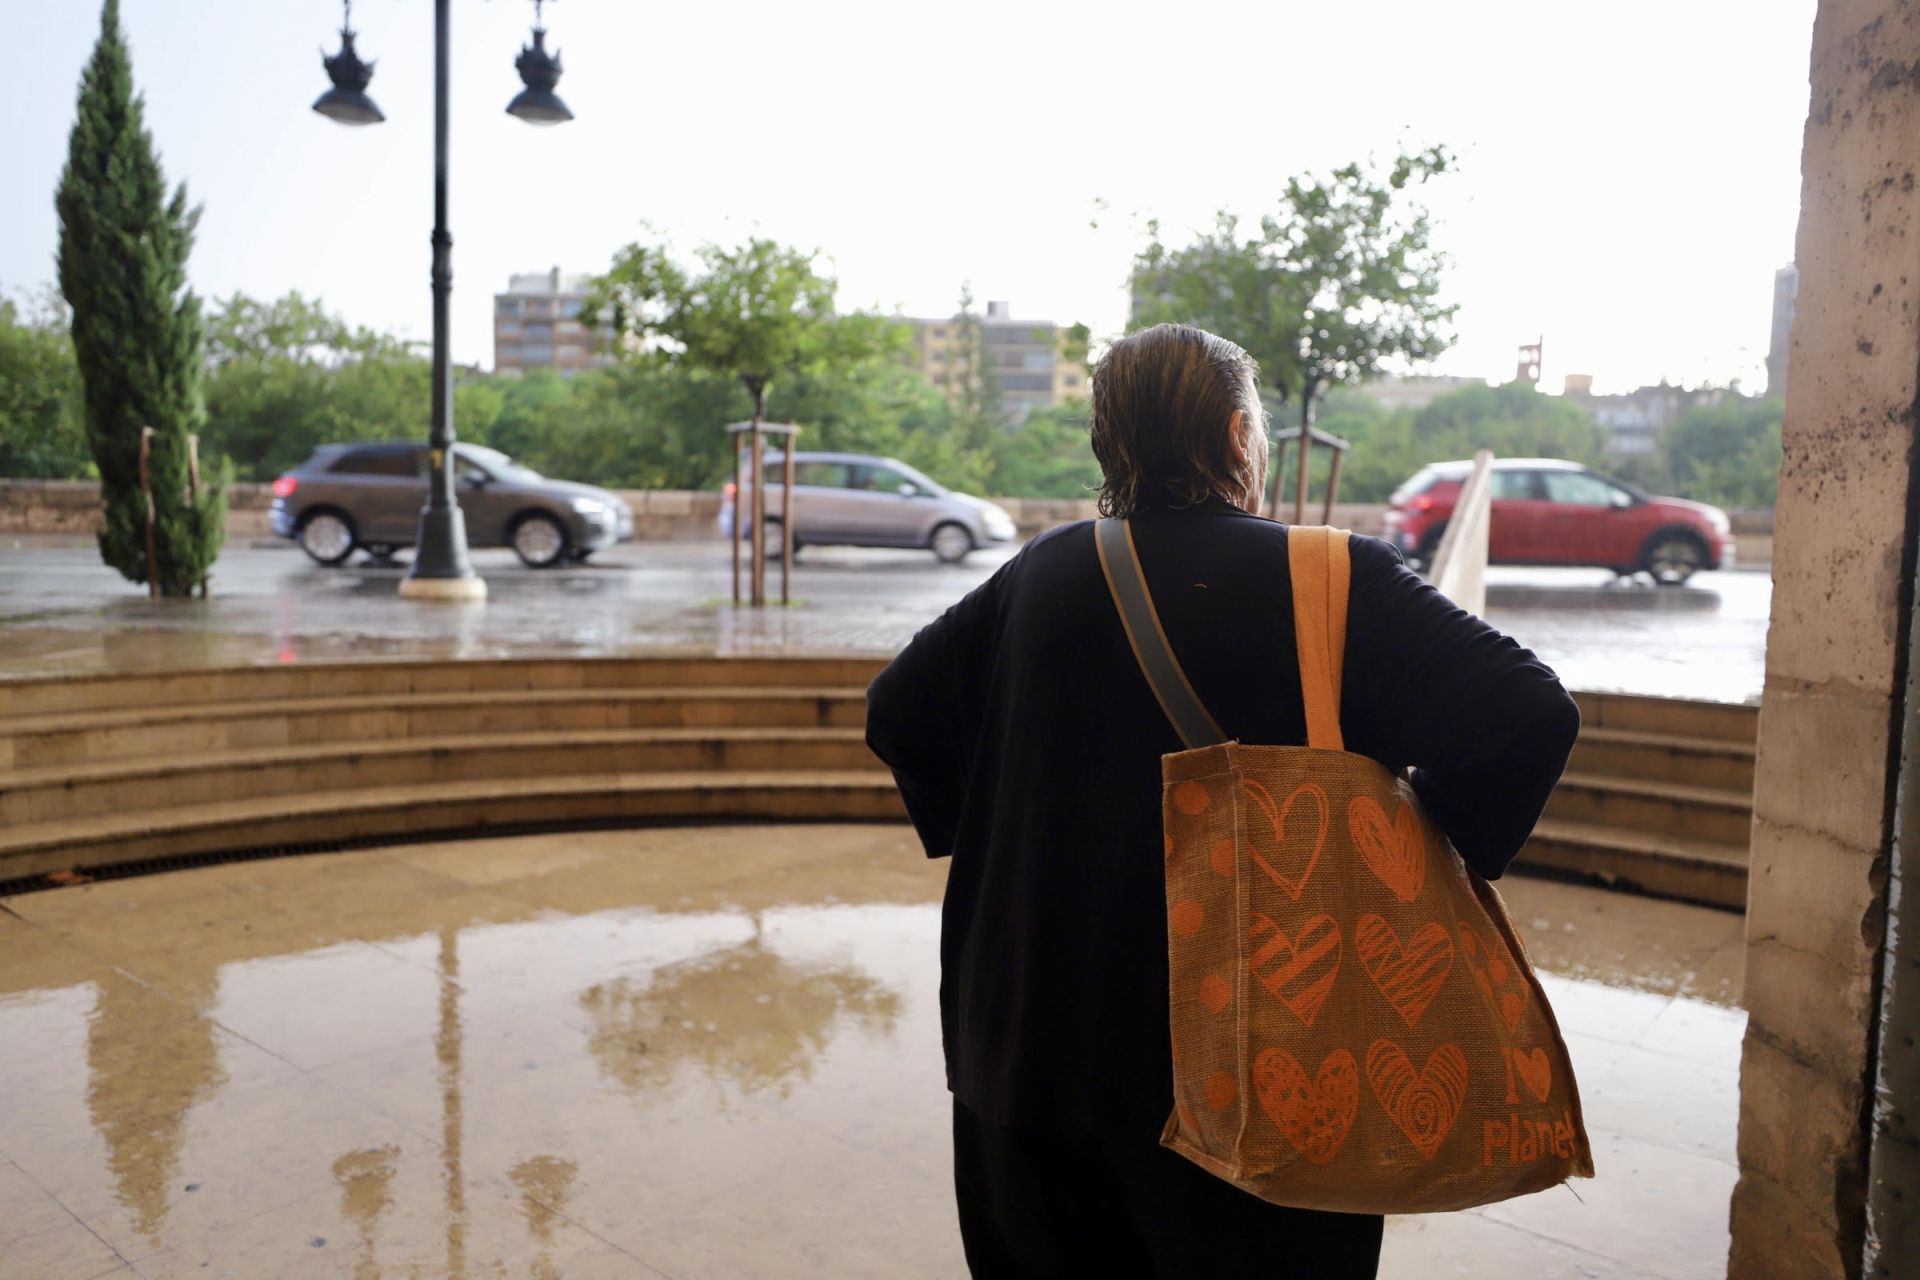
[60, 609]
[710, 1053]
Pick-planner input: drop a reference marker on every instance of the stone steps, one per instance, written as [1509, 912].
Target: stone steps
[342, 768]
[102, 770]
[1657, 808]
[1655, 757]
[1704, 871]
[392, 812]
[72, 739]
[58, 695]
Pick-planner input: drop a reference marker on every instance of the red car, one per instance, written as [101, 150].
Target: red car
[1547, 511]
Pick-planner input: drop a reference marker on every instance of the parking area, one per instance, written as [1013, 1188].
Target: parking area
[61, 610]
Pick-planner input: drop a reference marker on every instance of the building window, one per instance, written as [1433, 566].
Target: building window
[1038, 360]
[508, 354]
[539, 306]
[940, 331]
[570, 307]
[509, 326]
[537, 353]
[540, 329]
[1071, 380]
[506, 306]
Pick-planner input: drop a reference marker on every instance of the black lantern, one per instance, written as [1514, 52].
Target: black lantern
[540, 72]
[347, 101]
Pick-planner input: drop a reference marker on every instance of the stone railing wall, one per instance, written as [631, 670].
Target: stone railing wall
[56, 507]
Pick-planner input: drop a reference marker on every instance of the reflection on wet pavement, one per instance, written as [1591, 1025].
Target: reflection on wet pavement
[60, 611]
[710, 1052]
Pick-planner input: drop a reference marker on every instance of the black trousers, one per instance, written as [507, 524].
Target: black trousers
[1037, 1203]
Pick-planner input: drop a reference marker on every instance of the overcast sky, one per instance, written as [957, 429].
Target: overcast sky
[1628, 178]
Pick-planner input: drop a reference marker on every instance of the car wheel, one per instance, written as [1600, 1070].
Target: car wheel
[1672, 558]
[773, 540]
[951, 542]
[539, 540]
[327, 536]
[1429, 548]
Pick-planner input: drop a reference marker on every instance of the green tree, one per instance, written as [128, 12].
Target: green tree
[136, 326]
[1340, 280]
[1047, 456]
[758, 313]
[1726, 453]
[1515, 421]
[42, 425]
[287, 375]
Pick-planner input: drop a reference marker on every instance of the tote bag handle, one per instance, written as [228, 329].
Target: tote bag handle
[1322, 574]
[1318, 563]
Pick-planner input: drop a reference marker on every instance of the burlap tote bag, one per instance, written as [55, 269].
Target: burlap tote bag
[1355, 1024]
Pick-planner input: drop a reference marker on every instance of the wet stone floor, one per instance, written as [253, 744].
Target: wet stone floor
[704, 1052]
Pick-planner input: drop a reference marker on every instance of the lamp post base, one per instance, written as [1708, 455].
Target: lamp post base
[456, 590]
[440, 568]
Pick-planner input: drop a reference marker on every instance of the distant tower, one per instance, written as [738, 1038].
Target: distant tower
[1786, 284]
[1529, 370]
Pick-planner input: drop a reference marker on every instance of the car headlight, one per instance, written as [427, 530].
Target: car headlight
[1719, 520]
[590, 506]
[997, 520]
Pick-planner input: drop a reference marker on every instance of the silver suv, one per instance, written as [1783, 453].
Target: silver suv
[856, 500]
[368, 496]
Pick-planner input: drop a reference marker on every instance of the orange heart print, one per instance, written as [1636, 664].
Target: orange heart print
[1424, 1103]
[1395, 851]
[1408, 974]
[1315, 1114]
[1270, 848]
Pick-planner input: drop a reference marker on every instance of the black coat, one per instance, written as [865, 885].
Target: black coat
[1027, 746]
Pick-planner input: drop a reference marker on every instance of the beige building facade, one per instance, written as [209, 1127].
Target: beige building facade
[1028, 363]
[538, 324]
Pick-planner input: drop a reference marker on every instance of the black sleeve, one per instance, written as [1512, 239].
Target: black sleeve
[919, 712]
[1486, 725]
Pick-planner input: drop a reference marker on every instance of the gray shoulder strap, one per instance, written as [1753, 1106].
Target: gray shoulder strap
[1120, 562]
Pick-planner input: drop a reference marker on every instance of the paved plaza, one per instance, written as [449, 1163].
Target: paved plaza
[693, 1053]
[61, 610]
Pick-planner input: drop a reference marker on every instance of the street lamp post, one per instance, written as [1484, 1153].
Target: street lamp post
[441, 569]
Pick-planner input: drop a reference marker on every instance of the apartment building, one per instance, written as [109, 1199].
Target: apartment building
[537, 324]
[1025, 360]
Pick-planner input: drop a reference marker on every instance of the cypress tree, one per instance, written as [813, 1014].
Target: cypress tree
[136, 326]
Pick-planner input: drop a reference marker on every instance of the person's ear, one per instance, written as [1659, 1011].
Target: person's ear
[1237, 438]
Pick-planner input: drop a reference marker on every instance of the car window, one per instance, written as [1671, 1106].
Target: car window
[1577, 488]
[375, 462]
[1517, 485]
[886, 479]
[820, 475]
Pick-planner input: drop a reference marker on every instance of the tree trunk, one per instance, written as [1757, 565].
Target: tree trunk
[1306, 450]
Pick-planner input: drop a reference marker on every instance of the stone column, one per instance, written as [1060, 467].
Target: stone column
[1843, 563]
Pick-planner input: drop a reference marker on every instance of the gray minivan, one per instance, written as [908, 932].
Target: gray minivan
[858, 500]
[368, 496]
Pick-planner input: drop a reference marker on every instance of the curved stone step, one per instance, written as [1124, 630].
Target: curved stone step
[72, 739]
[1696, 870]
[75, 791]
[1713, 763]
[1657, 808]
[54, 695]
[381, 812]
[1676, 717]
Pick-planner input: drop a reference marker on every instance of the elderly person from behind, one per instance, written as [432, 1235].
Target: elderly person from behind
[1027, 745]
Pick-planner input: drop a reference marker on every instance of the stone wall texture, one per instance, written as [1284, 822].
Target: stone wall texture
[1845, 526]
